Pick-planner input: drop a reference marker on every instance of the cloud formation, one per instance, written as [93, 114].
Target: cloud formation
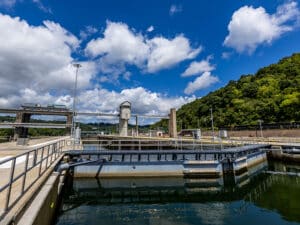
[203, 81]
[143, 101]
[150, 29]
[38, 57]
[165, 53]
[250, 27]
[120, 46]
[206, 79]
[36, 64]
[196, 68]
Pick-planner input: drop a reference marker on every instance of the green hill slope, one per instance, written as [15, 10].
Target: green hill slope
[272, 94]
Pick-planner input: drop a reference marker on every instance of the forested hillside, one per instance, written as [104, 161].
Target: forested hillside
[272, 94]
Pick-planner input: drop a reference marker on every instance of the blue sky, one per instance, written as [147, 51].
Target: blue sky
[156, 54]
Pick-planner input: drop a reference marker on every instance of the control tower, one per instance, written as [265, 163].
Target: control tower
[125, 114]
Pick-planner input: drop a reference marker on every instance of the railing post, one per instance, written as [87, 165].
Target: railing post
[41, 161]
[12, 171]
[25, 172]
[35, 158]
[47, 157]
[54, 149]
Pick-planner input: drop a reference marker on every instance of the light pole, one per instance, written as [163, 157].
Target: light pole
[77, 66]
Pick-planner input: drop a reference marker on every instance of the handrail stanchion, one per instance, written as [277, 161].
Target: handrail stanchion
[41, 161]
[12, 171]
[25, 172]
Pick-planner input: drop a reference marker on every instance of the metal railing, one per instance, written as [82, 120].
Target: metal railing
[146, 156]
[19, 173]
[139, 144]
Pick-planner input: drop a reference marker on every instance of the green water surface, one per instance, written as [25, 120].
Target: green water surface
[262, 199]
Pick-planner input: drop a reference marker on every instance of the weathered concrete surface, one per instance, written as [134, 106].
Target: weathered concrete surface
[129, 171]
[42, 208]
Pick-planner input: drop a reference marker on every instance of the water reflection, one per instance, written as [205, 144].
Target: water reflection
[262, 199]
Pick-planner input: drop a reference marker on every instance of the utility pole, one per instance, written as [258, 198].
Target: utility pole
[77, 65]
[212, 124]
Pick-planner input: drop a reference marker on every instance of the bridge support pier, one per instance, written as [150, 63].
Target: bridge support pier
[21, 132]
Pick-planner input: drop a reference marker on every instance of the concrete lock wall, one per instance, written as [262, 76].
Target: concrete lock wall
[176, 169]
[246, 162]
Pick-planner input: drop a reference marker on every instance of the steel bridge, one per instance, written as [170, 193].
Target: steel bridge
[35, 125]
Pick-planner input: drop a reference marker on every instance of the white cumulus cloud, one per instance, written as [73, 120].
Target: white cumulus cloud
[143, 101]
[165, 53]
[203, 81]
[250, 27]
[121, 46]
[196, 68]
[38, 58]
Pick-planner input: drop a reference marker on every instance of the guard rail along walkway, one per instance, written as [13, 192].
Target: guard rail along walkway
[19, 173]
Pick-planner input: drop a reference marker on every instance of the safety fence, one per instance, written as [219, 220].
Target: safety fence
[19, 173]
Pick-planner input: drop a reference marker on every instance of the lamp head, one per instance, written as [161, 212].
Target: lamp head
[77, 65]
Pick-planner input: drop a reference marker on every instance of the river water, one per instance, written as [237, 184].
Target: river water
[260, 199]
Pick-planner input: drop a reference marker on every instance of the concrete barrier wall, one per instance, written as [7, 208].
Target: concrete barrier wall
[42, 210]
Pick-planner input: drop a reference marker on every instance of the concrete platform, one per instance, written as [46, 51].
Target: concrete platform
[12, 149]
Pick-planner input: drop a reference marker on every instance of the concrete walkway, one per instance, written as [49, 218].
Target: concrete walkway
[12, 149]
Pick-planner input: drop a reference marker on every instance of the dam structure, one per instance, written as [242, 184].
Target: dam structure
[35, 176]
[165, 163]
[32, 180]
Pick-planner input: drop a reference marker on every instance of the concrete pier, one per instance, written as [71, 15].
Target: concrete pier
[172, 124]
